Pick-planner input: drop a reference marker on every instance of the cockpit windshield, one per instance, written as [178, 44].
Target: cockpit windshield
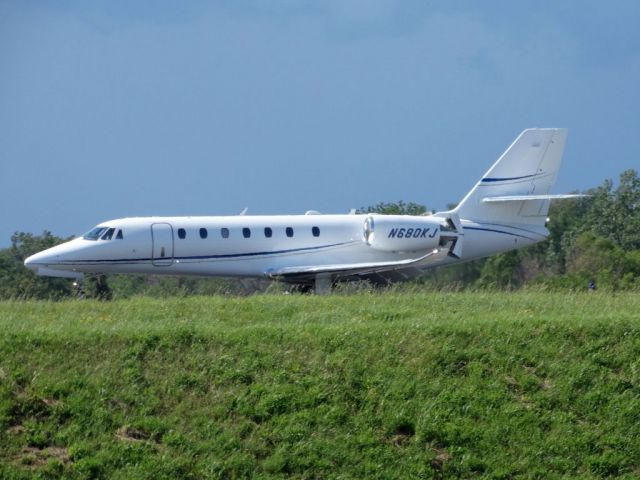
[104, 233]
[108, 235]
[95, 233]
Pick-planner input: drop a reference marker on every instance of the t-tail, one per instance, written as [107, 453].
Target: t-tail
[516, 190]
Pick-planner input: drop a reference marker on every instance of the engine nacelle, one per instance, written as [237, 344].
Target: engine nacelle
[401, 233]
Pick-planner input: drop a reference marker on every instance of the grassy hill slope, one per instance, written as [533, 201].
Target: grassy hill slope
[391, 385]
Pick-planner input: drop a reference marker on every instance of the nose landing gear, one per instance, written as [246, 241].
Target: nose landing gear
[78, 285]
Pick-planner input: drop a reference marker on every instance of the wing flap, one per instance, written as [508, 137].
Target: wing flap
[352, 269]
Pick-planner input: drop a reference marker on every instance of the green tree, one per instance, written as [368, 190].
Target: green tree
[458, 276]
[599, 258]
[395, 208]
[615, 214]
[502, 271]
[566, 219]
[16, 281]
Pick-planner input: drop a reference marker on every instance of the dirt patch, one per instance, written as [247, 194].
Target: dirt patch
[33, 457]
[60, 453]
[399, 440]
[50, 402]
[16, 430]
[402, 435]
[31, 406]
[442, 456]
[128, 433]
[512, 383]
[515, 390]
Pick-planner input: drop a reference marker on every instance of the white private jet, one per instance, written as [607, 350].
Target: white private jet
[506, 209]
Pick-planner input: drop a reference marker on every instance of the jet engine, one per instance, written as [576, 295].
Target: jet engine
[401, 233]
[404, 233]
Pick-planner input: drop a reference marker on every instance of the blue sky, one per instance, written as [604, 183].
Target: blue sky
[118, 108]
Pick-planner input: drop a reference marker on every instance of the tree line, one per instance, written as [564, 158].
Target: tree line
[592, 240]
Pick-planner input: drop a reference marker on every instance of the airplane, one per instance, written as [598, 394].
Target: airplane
[506, 209]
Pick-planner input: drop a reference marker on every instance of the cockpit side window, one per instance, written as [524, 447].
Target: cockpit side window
[94, 233]
[108, 235]
[119, 235]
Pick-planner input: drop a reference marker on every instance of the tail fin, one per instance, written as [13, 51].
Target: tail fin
[516, 189]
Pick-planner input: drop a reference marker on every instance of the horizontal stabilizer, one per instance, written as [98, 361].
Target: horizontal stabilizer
[524, 198]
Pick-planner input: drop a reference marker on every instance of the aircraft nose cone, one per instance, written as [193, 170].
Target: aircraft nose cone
[32, 262]
[43, 259]
[53, 262]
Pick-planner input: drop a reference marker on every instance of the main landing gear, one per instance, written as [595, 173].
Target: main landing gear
[323, 285]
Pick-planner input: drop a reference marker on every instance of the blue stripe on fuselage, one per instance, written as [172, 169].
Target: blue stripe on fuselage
[199, 257]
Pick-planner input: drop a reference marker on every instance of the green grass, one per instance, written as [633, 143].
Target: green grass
[393, 385]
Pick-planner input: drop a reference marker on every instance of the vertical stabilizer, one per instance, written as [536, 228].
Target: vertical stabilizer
[527, 168]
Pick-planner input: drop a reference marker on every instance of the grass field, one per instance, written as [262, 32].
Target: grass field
[393, 385]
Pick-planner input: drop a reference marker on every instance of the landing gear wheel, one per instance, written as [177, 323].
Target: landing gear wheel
[78, 285]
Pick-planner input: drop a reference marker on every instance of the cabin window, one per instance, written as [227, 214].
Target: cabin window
[119, 235]
[246, 232]
[108, 235]
[94, 234]
[268, 232]
[203, 233]
[315, 231]
[289, 231]
[182, 234]
[224, 232]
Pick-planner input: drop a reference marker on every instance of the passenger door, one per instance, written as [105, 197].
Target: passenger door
[161, 244]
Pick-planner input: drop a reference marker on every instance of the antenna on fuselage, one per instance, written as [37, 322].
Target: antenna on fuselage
[244, 211]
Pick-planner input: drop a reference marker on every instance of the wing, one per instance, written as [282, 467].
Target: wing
[376, 271]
